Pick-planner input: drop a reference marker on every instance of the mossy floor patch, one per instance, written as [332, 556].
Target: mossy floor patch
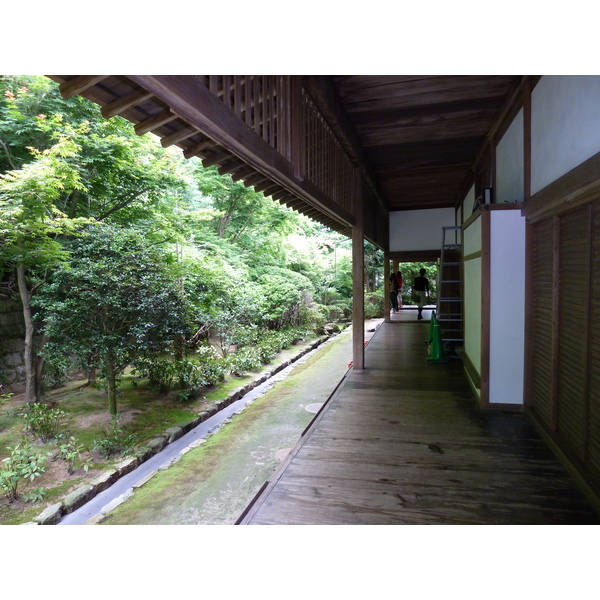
[213, 484]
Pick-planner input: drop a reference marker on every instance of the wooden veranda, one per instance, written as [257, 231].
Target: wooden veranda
[404, 442]
[358, 153]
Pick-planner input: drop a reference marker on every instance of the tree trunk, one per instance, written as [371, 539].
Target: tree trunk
[32, 390]
[39, 370]
[111, 382]
[91, 375]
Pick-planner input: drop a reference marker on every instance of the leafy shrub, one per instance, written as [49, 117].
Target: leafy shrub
[204, 368]
[57, 365]
[189, 377]
[210, 364]
[282, 294]
[4, 396]
[36, 495]
[341, 310]
[21, 465]
[44, 421]
[270, 345]
[245, 360]
[70, 451]
[373, 305]
[161, 372]
[115, 440]
[313, 315]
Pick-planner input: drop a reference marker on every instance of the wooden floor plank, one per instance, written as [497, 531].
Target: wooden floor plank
[404, 442]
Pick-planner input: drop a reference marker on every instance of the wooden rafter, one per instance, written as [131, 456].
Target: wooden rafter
[79, 84]
[154, 122]
[122, 104]
[200, 149]
[215, 158]
[177, 136]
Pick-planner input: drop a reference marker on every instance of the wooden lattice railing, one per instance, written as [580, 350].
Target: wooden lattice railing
[261, 101]
[326, 163]
[264, 103]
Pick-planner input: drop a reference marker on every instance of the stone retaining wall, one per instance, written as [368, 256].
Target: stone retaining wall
[12, 336]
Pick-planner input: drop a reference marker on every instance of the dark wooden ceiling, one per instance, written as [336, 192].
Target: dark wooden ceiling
[421, 135]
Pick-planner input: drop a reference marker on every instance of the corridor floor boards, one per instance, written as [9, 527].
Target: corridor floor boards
[404, 442]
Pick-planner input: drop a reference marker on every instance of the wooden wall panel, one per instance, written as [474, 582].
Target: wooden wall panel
[594, 352]
[564, 358]
[542, 319]
[573, 327]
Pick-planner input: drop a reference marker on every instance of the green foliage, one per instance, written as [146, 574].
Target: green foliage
[26, 102]
[245, 360]
[29, 219]
[125, 177]
[106, 310]
[241, 212]
[161, 372]
[202, 369]
[69, 450]
[115, 439]
[56, 368]
[267, 344]
[211, 366]
[44, 421]
[93, 202]
[373, 258]
[22, 465]
[373, 305]
[273, 342]
[282, 294]
[35, 495]
[410, 271]
[4, 396]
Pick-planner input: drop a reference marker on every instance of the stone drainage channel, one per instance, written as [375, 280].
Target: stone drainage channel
[118, 492]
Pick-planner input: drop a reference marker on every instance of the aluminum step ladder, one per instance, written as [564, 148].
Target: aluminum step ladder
[450, 304]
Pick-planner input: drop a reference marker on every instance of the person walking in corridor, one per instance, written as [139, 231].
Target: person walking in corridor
[400, 284]
[420, 291]
[394, 292]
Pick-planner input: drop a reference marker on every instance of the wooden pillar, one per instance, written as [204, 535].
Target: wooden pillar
[358, 276]
[386, 278]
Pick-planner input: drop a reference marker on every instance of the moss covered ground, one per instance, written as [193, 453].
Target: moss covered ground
[143, 412]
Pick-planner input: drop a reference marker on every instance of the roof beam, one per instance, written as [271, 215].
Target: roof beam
[177, 136]
[198, 149]
[155, 122]
[79, 84]
[122, 104]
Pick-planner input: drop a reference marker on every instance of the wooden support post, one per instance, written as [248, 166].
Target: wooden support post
[358, 276]
[386, 278]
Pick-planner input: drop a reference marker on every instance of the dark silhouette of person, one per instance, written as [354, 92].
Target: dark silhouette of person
[394, 292]
[420, 291]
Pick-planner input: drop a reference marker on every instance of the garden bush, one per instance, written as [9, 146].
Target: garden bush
[22, 465]
[210, 364]
[373, 305]
[115, 439]
[245, 360]
[44, 421]
[69, 450]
